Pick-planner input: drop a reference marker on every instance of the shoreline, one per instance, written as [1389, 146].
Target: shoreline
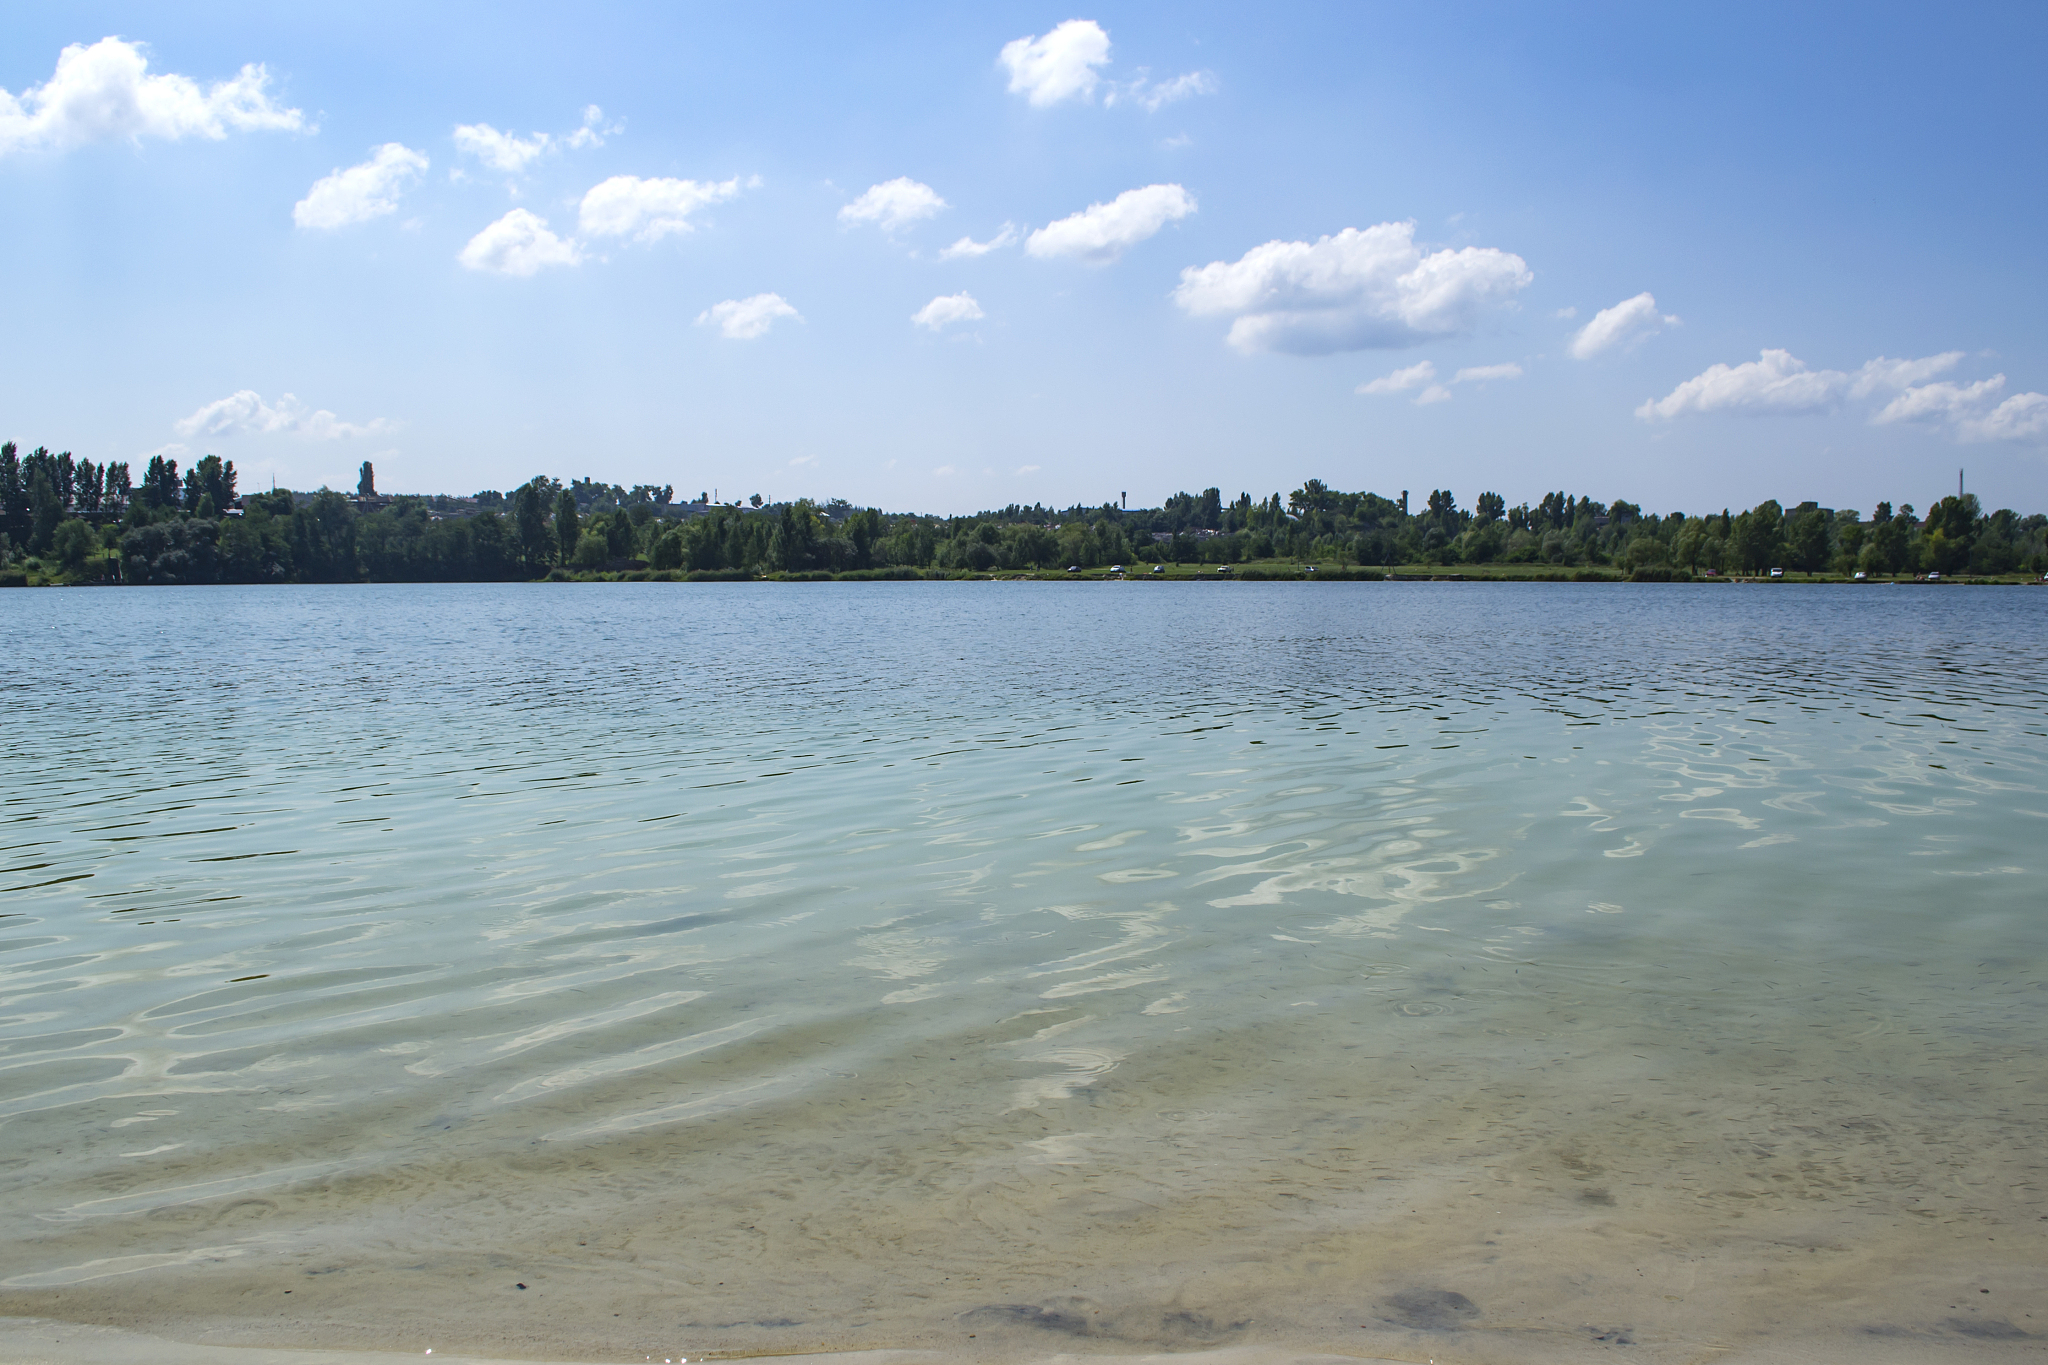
[48, 1341]
[1268, 571]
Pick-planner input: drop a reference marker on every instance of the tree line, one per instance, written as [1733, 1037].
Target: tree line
[73, 521]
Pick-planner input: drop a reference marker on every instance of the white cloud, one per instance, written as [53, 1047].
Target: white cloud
[105, 91]
[948, 308]
[1630, 320]
[1942, 400]
[1479, 374]
[1972, 411]
[594, 129]
[1400, 381]
[745, 319]
[1154, 96]
[967, 246]
[361, 192]
[518, 244]
[1779, 382]
[245, 413]
[510, 154]
[1885, 373]
[648, 210]
[1100, 232]
[1358, 290]
[1776, 381]
[1028, 468]
[1059, 66]
[499, 151]
[893, 204]
[1422, 375]
[2022, 417]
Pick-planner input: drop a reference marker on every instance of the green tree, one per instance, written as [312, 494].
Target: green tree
[1758, 537]
[14, 494]
[73, 541]
[211, 478]
[47, 512]
[618, 534]
[567, 528]
[1950, 533]
[160, 483]
[795, 542]
[491, 544]
[530, 519]
[591, 551]
[863, 529]
[1806, 538]
[323, 539]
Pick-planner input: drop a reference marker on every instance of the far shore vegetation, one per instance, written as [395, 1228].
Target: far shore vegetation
[70, 522]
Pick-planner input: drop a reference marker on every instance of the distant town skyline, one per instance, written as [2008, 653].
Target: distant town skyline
[944, 260]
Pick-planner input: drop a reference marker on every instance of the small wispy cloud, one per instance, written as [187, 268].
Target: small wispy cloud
[968, 247]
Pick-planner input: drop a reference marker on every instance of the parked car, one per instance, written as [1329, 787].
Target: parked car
[1777, 573]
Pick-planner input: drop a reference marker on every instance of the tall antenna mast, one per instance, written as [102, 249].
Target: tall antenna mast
[1959, 483]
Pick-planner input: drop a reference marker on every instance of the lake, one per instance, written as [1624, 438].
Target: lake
[1513, 971]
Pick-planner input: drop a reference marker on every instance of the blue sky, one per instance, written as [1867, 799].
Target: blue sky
[1694, 257]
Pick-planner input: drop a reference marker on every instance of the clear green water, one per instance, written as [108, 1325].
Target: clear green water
[1519, 970]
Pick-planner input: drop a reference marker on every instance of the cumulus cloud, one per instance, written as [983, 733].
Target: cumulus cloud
[946, 309]
[1059, 66]
[1776, 381]
[647, 210]
[1100, 232]
[103, 92]
[1973, 412]
[245, 413]
[1154, 95]
[893, 204]
[1947, 399]
[1630, 320]
[1779, 382]
[1422, 375]
[361, 192]
[1358, 290]
[518, 244]
[2022, 417]
[968, 247]
[745, 319]
[511, 154]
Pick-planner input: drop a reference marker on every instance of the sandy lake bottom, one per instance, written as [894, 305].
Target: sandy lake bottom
[1006, 971]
